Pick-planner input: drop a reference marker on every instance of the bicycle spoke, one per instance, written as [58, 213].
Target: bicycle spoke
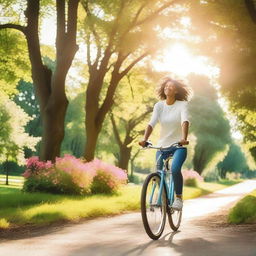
[153, 207]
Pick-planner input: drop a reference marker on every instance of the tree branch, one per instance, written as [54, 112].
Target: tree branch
[115, 25]
[90, 25]
[115, 130]
[61, 25]
[155, 13]
[135, 121]
[251, 7]
[134, 23]
[124, 72]
[88, 51]
[14, 26]
[96, 62]
[135, 19]
[72, 18]
[135, 155]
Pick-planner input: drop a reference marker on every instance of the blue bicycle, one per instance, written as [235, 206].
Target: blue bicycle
[157, 197]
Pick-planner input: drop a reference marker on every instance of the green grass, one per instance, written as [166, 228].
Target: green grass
[3, 176]
[203, 188]
[16, 181]
[18, 208]
[244, 211]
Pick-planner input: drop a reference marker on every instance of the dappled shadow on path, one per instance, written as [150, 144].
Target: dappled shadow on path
[192, 240]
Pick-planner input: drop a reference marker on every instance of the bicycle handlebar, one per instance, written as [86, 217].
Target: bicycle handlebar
[150, 146]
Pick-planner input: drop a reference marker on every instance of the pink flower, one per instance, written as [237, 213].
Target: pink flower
[191, 174]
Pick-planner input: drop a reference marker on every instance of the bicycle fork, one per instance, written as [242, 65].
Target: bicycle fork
[170, 192]
[161, 187]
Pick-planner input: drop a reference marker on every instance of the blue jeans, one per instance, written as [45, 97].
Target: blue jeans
[179, 156]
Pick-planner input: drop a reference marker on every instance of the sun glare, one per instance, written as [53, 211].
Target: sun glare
[178, 60]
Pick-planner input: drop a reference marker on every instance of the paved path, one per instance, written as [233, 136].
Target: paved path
[124, 235]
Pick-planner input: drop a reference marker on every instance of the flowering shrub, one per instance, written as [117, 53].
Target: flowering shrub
[70, 175]
[191, 178]
[107, 178]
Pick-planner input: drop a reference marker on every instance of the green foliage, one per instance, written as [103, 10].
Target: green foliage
[26, 99]
[74, 139]
[135, 179]
[14, 62]
[209, 123]
[233, 162]
[134, 102]
[244, 211]
[12, 167]
[45, 183]
[212, 175]
[134, 31]
[13, 135]
[191, 183]
[103, 183]
[230, 40]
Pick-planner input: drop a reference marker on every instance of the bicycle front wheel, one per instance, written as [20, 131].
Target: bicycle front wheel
[174, 217]
[153, 206]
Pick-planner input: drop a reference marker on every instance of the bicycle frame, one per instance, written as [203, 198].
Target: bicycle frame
[170, 188]
[163, 183]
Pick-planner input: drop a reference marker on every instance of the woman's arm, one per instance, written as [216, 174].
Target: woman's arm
[184, 128]
[147, 133]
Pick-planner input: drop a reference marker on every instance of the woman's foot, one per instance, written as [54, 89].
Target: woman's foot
[177, 204]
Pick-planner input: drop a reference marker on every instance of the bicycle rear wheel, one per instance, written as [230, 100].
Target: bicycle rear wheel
[174, 217]
[153, 212]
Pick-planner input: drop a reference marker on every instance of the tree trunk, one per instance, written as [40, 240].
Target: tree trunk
[7, 172]
[125, 155]
[90, 144]
[53, 132]
[50, 87]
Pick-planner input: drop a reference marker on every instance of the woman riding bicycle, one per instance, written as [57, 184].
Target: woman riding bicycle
[171, 112]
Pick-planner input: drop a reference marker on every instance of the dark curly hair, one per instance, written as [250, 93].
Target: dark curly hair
[184, 93]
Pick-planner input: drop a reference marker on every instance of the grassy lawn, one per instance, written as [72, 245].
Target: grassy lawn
[18, 208]
[3, 176]
[244, 211]
[13, 180]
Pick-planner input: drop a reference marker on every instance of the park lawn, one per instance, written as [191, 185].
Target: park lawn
[18, 208]
[244, 211]
[3, 176]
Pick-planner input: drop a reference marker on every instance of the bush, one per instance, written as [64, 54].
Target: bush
[191, 183]
[212, 176]
[135, 179]
[244, 211]
[191, 178]
[108, 178]
[70, 175]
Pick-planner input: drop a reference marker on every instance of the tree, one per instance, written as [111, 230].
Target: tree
[130, 111]
[209, 124]
[14, 64]
[229, 36]
[123, 34]
[233, 162]
[13, 137]
[25, 98]
[74, 139]
[50, 86]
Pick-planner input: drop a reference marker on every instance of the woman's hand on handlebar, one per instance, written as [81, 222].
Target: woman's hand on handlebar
[183, 142]
[143, 143]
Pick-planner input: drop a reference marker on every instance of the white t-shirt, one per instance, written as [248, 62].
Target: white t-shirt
[171, 118]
